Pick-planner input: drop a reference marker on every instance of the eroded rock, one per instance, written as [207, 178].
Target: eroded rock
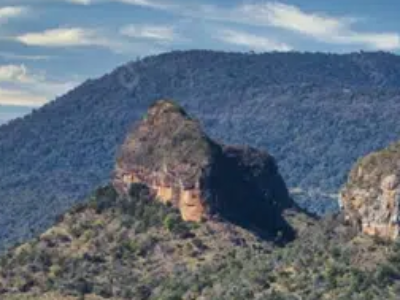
[169, 152]
[371, 198]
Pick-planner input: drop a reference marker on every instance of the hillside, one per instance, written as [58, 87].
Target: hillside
[315, 113]
[135, 247]
[187, 218]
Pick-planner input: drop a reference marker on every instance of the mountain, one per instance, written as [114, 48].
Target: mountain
[135, 247]
[371, 197]
[169, 152]
[142, 237]
[315, 113]
[178, 199]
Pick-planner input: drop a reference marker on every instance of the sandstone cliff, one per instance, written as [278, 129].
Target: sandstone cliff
[169, 152]
[371, 198]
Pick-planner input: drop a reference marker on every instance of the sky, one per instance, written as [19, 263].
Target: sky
[47, 47]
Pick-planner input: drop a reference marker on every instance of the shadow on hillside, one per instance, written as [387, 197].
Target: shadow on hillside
[249, 192]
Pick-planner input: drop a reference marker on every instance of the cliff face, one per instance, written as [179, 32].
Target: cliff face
[371, 198]
[169, 152]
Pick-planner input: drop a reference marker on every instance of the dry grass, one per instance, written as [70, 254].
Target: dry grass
[49, 296]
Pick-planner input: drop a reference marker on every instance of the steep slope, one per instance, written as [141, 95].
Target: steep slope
[315, 113]
[113, 246]
[169, 152]
[135, 233]
[138, 248]
[371, 197]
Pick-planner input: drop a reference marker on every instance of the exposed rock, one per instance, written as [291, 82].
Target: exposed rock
[371, 198]
[169, 152]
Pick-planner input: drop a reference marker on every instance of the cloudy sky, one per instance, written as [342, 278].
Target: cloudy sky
[49, 46]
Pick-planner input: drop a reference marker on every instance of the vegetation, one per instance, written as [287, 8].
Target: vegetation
[50, 296]
[315, 113]
[375, 166]
[137, 248]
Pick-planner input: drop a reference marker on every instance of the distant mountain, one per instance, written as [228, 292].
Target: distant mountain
[315, 113]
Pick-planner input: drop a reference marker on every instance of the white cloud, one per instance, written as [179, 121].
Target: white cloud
[251, 41]
[377, 41]
[21, 98]
[152, 32]
[73, 37]
[84, 37]
[147, 3]
[319, 26]
[322, 27]
[20, 86]
[155, 4]
[81, 2]
[61, 37]
[292, 18]
[9, 12]
[316, 25]
[13, 73]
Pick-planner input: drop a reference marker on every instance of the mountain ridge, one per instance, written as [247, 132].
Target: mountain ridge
[177, 200]
[308, 110]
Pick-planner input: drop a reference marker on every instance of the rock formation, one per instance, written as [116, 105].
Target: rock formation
[169, 152]
[371, 198]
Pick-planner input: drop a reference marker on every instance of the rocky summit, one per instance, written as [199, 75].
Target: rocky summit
[371, 198]
[169, 152]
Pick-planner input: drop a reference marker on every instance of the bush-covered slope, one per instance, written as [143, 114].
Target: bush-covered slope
[315, 113]
[136, 248]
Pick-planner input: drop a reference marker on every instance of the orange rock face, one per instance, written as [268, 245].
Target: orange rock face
[189, 201]
[191, 205]
[168, 152]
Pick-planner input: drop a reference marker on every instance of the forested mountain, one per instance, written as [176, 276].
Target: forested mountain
[187, 218]
[315, 113]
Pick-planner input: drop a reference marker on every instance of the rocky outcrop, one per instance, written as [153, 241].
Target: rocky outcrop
[371, 198]
[169, 152]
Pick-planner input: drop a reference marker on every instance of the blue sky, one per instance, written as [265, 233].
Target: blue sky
[49, 46]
